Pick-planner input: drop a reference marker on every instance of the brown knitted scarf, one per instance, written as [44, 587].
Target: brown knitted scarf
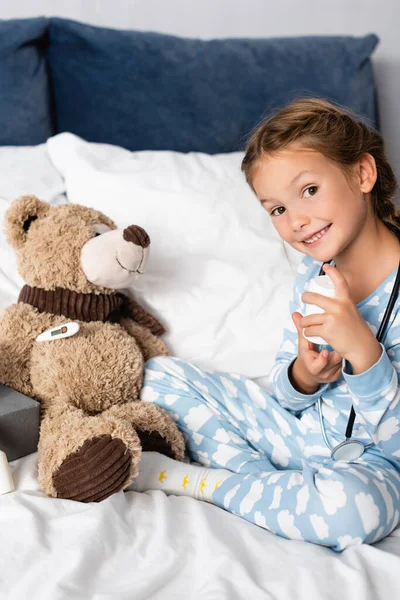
[88, 307]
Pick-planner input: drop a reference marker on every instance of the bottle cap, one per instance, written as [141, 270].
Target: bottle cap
[322, 285]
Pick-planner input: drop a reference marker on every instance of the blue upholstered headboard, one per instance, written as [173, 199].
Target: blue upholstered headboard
[143, 90]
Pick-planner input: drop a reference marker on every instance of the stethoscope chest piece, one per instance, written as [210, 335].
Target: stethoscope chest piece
[348, 450]
[353, 449]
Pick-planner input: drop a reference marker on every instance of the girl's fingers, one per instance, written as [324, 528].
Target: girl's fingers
[319, 363]
[325, 363]
[335, 375]
[335, 358]
[303, 342]
[320, 366]
[333, 371]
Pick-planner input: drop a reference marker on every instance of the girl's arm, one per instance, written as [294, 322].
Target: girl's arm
[278, 382]
[376, 394]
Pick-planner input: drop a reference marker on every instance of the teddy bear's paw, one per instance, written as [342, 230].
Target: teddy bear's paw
[153, 441]
[99, 468]
[154, 426]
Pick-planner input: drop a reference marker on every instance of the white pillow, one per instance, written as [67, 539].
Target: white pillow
[218, 276]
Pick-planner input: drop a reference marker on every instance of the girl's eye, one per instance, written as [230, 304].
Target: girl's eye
[311, 187]
[272, 211]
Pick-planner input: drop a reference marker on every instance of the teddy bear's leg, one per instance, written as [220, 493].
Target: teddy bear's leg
[155, 427]
[85, 457]
[149, 344]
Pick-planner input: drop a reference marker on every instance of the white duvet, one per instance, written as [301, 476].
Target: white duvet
[134, 546]
[149, 545]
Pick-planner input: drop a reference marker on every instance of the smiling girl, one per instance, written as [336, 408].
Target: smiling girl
[324, 180]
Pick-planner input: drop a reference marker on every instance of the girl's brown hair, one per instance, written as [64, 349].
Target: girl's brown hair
[335, 132]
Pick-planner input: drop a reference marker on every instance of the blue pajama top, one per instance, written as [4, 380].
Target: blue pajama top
[375, 393]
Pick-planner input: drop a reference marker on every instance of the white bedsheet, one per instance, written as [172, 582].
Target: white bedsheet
[149, 545]
[137, 546]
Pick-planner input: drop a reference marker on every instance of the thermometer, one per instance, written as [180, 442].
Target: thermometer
[56, 333]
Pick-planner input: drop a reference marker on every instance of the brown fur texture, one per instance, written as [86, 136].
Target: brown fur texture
[57, 233]
[88, 384]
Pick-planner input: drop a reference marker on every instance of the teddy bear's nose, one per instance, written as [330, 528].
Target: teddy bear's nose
[136, 235]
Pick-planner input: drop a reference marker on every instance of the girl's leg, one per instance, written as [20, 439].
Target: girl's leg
[337, 505]
[227, 420]
[277, 473]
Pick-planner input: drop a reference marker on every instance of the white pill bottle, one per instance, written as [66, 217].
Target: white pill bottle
[320, 285]
[6, 480]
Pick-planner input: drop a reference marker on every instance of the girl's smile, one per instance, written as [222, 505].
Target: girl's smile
[316, 239]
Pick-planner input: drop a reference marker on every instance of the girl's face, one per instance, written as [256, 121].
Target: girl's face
[301, 204]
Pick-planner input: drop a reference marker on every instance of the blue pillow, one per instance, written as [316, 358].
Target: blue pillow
[144, 90]
[25, 106]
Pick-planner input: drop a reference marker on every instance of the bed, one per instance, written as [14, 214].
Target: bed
[152, 127]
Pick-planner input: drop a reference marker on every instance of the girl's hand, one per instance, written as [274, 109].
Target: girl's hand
[341, 325]
[322, 367]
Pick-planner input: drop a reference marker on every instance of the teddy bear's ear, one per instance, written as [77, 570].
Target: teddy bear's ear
[19, 216]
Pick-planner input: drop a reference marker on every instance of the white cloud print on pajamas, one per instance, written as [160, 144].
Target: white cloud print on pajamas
[255, 394]
[331, 493]
[197, 417]
[282, 424]
[251, 498]
[230, 387]
[276, 500]
[280, 452]
[321, 528]
[286, 523]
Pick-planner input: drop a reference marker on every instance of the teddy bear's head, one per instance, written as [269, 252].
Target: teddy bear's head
[73, 247]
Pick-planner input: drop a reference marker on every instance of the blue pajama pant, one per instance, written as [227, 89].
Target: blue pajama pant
[283, 478]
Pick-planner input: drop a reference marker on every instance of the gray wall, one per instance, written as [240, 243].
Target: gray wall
[254, 18]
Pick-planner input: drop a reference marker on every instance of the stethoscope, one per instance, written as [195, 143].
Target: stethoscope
[353, 449]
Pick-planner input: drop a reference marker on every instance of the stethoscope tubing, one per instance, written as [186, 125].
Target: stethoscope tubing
[324, 430]
[379, 337]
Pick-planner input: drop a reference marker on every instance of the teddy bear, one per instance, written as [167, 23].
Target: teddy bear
[93, 425]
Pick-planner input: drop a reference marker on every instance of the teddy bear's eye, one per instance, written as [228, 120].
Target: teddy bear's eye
[99, 229]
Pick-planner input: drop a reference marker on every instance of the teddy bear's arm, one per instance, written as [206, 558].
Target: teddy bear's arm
[149, 344]
[141, 316]
[15, 349]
